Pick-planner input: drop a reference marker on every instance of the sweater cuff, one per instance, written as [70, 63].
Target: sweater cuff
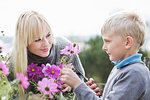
[81, 87]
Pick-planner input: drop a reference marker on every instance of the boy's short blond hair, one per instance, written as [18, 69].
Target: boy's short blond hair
[126, 24]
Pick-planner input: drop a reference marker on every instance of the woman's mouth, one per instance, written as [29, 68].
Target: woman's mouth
[45, 50]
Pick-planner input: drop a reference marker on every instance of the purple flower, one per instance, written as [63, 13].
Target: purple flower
[59, 83]
[35, 72]
[61, 65]
[32, 69]
[40, 73]
[47, 86]
[51, 71]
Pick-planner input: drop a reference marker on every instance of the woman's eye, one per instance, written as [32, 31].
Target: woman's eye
[37, 40]
[48, 35]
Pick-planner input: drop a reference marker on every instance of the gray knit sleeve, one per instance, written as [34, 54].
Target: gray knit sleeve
[83, 92]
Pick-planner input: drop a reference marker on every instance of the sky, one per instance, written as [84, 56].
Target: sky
[67, 17]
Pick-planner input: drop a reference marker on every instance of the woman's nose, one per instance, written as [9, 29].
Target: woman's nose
[45, 42]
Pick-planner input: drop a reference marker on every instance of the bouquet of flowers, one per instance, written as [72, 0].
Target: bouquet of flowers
[46, 78]
[7, 88]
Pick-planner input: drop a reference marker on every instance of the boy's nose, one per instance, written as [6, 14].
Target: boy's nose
[104, 47]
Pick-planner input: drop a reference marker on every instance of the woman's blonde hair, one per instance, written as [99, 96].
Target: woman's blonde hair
[30, 26]
[126, 24]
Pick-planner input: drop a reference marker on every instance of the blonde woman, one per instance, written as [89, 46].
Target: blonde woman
[35, 42]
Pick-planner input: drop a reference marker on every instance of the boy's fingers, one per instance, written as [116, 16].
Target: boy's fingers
[93, 86]
[91, 80]
[99, 93]
[88, 83]
[97, 89]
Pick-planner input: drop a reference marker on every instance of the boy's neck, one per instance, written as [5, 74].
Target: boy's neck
[130, 53]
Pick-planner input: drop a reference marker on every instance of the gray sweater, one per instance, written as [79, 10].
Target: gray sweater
[53, 58]
[128, 83]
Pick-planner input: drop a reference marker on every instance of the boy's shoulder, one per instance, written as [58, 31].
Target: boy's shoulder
[136, 66]
[138, 69]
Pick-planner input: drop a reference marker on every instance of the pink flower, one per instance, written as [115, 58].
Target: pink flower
[3, 47]
[74, 49]
[70, 49]
[66, 50]
[47, 86]
[23, 79]
[4, 69]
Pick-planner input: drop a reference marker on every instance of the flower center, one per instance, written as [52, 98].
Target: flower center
[0, 49]
[74, 44]
[68, 50]
[4, 82]
[72, 52]
[0, 69]
[46, 89]
[52, 72]
[33, 70]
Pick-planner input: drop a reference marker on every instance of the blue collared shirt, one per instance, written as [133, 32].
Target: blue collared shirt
[129, 60]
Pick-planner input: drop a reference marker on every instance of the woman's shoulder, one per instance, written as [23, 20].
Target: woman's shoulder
[62, 41]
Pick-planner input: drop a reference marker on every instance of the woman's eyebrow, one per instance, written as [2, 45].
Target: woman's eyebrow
[48, 33]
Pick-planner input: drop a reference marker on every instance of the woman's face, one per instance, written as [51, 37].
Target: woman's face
[41, 46]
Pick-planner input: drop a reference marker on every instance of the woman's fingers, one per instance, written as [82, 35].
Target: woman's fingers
[68, 89]
[70, 78]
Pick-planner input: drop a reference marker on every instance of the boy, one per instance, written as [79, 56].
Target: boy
[123, 35]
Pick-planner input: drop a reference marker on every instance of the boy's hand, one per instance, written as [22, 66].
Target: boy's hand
[90, 83]
[70, 78]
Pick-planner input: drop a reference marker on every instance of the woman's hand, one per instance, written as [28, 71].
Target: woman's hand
[66, 88]
[70, 78]
[35, 97]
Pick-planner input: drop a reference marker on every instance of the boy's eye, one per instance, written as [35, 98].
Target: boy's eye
[106, 41]
[37, 40]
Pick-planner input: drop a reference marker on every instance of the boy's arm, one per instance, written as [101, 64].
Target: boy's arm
[82, 91]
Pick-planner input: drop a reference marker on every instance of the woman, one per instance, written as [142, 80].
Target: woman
[35, 42]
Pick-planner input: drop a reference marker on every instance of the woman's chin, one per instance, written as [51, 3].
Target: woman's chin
[44, 55]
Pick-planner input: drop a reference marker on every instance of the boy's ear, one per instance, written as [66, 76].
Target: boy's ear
[129, 42]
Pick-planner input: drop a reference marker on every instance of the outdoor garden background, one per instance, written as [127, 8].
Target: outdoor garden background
[79, 21]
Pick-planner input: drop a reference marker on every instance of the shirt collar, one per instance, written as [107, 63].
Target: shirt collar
[130, 59]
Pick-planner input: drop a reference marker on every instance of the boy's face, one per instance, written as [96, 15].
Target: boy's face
[114, 46]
